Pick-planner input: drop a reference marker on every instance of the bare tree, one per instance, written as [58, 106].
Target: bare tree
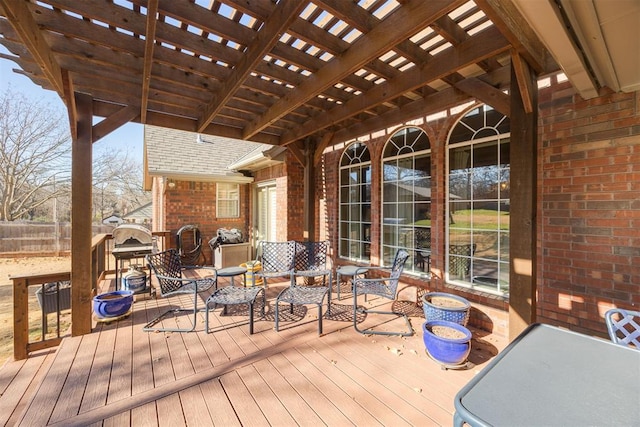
[35, 148]
[34, 142]
[117, 183]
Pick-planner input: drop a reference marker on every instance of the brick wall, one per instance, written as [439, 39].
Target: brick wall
[589, 207]
[194, 203]
[294, 196]
[289, 181]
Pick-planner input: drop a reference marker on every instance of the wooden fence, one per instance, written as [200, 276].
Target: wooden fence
[39, 238]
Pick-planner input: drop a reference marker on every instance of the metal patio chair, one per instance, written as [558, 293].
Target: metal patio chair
[385, 287]
[276, 260]
[167, 268]
[624, 327]
[311, 262]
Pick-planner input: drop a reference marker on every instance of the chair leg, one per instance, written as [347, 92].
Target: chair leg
[251, 318]
[149, 326]
[408, 333]
[277, 316]
[320, 319]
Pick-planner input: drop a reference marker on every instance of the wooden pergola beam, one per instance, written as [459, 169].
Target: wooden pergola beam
[469, 52]
[18, 14]
[150, 38]
[402, 24]
[505, 15]
[523, 76]
[69, 95]
[114, 121]
[324, 143]
[486, 93]
[284, 13]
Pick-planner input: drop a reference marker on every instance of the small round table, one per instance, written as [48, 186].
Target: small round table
[349, 271]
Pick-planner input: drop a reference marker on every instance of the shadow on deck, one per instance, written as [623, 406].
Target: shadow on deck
[121, 375]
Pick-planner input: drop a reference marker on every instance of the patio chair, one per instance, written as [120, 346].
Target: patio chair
[385, 287]
[460, 259]
[276, 261]
[623, 327]
[167, 268]
[311, 262]
[422, 245]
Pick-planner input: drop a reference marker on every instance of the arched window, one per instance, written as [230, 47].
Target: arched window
[478, 201]
[406, 198]
[355, 203]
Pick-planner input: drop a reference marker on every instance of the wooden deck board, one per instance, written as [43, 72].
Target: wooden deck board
[287, 395]
[76, 381]
[220, 408]
[50, 389]
[272, 408]
[243, 403]
[121, 375]
[20, 381]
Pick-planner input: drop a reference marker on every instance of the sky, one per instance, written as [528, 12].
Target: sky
[127, 138]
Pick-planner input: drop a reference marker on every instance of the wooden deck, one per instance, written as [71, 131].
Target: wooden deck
[120, 375]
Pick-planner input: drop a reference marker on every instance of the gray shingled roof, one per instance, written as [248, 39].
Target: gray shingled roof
[141, 212]
[174, 152]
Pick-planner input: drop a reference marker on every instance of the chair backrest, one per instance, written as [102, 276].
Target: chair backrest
[168, 265]
[422, 238]
[623, 326]
[311, 256]
[398, 264]
[276, 257]
[461, 264]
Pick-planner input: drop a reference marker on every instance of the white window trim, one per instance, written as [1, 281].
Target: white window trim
[236, 199]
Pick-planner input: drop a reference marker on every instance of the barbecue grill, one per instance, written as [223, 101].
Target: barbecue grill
[131, 241]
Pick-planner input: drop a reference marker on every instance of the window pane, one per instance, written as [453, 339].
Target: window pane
[406, 197]
[479, 187]
[228, 200]
[487, 244]
[355, 188]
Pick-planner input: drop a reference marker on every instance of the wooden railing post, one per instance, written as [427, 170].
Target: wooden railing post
[20, 318]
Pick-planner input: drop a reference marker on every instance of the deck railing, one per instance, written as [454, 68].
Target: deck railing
[30, 319]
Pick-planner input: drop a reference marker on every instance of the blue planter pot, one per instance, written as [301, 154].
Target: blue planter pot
[112, 304]
[448, 351]
[458, 313]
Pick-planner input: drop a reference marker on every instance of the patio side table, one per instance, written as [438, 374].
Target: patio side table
[349, 271]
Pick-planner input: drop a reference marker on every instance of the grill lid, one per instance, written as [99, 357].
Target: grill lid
[131, 234]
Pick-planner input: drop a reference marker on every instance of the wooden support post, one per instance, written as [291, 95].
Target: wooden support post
[81, 176]
[309, 193]
[522, 243]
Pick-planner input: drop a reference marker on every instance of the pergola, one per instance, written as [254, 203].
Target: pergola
[296, 73]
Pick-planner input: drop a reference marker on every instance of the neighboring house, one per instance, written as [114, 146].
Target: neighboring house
[214, 182]
[139, 215]
[113, 220]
